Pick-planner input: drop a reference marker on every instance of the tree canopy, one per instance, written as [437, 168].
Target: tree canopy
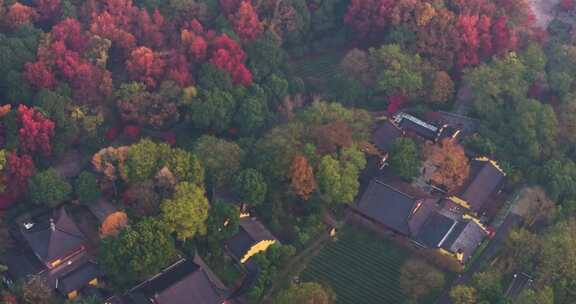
[450, 161]
[156, 107]
[418, 279]
[47, 187]
[309, 292]
[338, 178]
[186, 212]
[221, 158]
[404, 158]
[250, 186]
[137, 252]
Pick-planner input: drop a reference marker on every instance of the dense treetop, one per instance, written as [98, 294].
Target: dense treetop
[177, 111]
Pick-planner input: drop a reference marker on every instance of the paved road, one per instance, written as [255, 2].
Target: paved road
[511, 221]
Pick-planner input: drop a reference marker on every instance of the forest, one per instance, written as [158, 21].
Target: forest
[184, 114]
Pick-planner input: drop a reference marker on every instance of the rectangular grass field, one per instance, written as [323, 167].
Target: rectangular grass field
[361, 269]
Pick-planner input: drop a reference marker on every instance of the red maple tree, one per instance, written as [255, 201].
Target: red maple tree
[369, 16]
[48, 9]
[395, 102]
[91, 84]
[169, 137]
[148, 29]
[20, 14]
[18, 170]
[195, 45]
[69, 31]
[144, 65]
[105, 26]
[229, 56]
[131, 131]
[485, 37]
[468, 53]
[246, 23]
[111, 134]
[39, 75]
[475, 7]
[178, 70]
[504, 38]
[36, 131]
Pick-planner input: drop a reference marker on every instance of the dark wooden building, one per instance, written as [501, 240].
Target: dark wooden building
[252, 238]
[394, 209]
[452, 234]
[184, 282]
[486, 180]
[446, 225]
[52, 246]
[385, 135]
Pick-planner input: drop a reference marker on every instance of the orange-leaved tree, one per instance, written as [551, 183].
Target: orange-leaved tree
[113, 224]
[303, 181]
[452, 165]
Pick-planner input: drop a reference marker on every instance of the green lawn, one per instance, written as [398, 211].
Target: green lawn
[360, 269]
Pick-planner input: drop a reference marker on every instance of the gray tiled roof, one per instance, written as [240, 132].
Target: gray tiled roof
[78, 278]
[184, 282]
[251, 232]
[387, 206]
[484, 183]
[55, 237]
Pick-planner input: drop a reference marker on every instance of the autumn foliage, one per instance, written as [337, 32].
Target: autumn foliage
[442, 87]
[462, 34]
[39, 75]
[449, 159]
[368, 16]
[302, 176]
[111, 163]
[195, 45]
[20, 14]
[19, 170]
[62, 58]
[332, 136]
[395, 102]
[113, 224]
[246, 23]
[77, 53]
[132, 132]
[144, 65]
[229, 56]
[126, 25]
[48, 9]
[36, 131]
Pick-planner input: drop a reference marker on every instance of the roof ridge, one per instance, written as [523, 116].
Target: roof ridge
[70, 233]
[158, 274]
[490, 162]
[395, 189]
[62, 214]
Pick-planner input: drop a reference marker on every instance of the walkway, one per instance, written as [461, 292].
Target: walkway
[295, 266]
[299, 262]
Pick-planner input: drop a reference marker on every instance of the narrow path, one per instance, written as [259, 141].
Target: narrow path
[295, 266]
[299, 262]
